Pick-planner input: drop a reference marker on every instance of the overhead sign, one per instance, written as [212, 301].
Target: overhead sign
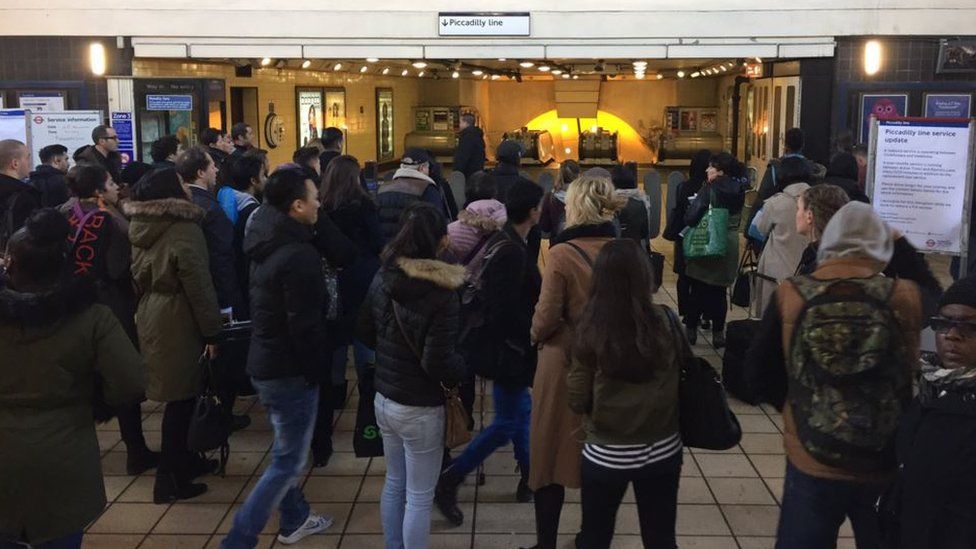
[483, 24]
[920, 180]
[73, 129]
[41, 102]
[122, 123]
[169, 102]
[13, 125]
[948, 105]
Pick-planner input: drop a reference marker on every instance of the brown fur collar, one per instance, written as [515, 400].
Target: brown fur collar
[480, 222]
[166, 207]
[445, 275]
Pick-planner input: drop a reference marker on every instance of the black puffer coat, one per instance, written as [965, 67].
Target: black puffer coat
[424, 292]
[50, 181]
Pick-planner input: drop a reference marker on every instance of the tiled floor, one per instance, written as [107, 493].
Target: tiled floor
[727, 500]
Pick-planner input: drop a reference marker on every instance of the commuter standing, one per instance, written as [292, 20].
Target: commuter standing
[481, 218]
[411, 183]
[686, 191]
[48, 177]
[554, 206]
[101, 249]
[218, 143]
[17, 198]
[332, 140]
[411, 318]
[353, 211]
[288, 354]
[242, 137]
[248, 176]
[554, 444]
[469, 157]
[177, 318]
[501, 350]
[308, 159]
[624, 380]
[505, 174]
[55, 341]
[841, 393]
[164, 151]
[103, 151]
[634, 218]
[937, 437]
[724, 187]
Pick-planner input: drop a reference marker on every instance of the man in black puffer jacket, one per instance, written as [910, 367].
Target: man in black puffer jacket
[505, 174]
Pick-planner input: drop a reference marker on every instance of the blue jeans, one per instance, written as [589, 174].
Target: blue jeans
[814, 509]
[71, 541]
[291, 404]
[413, 442]
[513, 408]
[362, 354]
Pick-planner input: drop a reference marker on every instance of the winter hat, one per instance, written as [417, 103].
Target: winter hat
[856, 231]
[962, 292]
[509, 152]
[601, 173]
[414, 156]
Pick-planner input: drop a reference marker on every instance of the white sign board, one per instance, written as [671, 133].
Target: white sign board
[42, 102]
[13, 125]
[483, 24]
[920, 183]
[72, 129]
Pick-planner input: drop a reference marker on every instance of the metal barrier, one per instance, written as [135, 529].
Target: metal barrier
[652, 188]
[456, 182]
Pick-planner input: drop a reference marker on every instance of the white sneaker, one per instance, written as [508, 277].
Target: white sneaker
[313, 525]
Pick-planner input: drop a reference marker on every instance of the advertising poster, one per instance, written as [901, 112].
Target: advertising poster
[72, 129]
[122, 122]
[920, 176]
[41, 102]
[335, 109]
[310, 115]
[709, 121]
[384, 124]
[948, 105]
[689, 121]
[881, 106]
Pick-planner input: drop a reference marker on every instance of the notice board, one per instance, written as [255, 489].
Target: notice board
[72, 129]
[13, 125]
[920, 175]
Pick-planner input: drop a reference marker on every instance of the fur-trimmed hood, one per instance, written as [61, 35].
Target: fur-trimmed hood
[151, 218]
[413, 279]
[484, 215]
[43, 310]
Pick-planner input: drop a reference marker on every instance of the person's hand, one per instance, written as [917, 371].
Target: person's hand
[210, 351]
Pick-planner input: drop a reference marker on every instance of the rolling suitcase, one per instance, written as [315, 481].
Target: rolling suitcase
[738, 336]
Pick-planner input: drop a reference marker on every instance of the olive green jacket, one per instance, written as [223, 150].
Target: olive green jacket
[52, 347]
[177, 312]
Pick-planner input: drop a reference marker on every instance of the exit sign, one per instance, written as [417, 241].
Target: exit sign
[483, 24]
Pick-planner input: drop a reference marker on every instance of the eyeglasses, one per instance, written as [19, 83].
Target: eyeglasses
[111, 137]
[941, 325]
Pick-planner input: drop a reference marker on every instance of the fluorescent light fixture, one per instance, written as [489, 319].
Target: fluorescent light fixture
[96, 56]
[872, 57]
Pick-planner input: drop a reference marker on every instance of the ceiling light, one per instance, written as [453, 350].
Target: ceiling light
[557, 71]
[568, 150]
[696, 74]
[639, 76]
[266, 61]
[565, 75]
[386, 70]
[640, 63]
[455, 74]
[575, 77]
[502, 59]
[306, 64]
[405, 72]
[544, 68]
[759, 60]
[681, 74]
[419, 64]
[484, 76]
[337, 67]
[526, 64]
[371, 60]
[477, 72]
[660, 76]
[364, 68]
[723, 68]
[872, 57]
[96, 58]
[495, 77]
[420, 74]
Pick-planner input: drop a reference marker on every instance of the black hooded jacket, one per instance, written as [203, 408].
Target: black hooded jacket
[287, 299]
[50, 182]
[17, 201]
[676, 217]
[470, 154]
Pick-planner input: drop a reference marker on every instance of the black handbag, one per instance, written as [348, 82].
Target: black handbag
[706, 421]
[657, 264]
[212, 420]
[741, 290]
[366, 440]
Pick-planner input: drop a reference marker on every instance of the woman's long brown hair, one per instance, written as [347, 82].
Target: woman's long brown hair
[340, 184]
[619, 331]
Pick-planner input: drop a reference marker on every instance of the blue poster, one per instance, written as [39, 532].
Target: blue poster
[122, 122]
[886, 105]
[948, 105]
[169, 102]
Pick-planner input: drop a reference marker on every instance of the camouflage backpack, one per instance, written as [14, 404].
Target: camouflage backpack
[849, 379]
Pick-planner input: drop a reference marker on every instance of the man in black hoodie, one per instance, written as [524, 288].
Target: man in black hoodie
[288, 353]
[17, 199]
[469, 157]
[505, 174]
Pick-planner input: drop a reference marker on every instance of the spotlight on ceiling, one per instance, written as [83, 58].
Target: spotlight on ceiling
[306, 64]
[337, 67]
[405, 72]
[477, 72]
[455, 74]
[386, 70]
[364, 68]
[419, 64]
[557, 72]
[420, 74]
[681, 74]
[372, 60]
[266, 61]
[544, 68]
[526, 64]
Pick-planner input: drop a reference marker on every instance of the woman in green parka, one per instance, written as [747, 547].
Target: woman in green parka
[55, 341]
[177, 318]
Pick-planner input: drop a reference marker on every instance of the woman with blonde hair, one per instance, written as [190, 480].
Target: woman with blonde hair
[555, 438]
[554, 206]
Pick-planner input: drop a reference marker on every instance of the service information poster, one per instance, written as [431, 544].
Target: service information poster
[881, 106]
[309, 115]
[920, 175]
[951, 105]
[70, 128]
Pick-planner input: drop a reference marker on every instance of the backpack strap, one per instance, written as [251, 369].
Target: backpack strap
[82, 219]
[474, 251]
[582, 253]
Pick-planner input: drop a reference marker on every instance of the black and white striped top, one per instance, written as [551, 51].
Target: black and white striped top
[632, 456]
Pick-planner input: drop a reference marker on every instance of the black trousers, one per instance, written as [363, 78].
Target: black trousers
[708, 301]
[683, 288]
[175, 456]
[656, 491]
[548, 508]
[130, 427]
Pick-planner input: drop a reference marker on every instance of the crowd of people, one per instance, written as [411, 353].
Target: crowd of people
[118, 283]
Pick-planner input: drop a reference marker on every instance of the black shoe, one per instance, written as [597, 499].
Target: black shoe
[168, 489]
[692, 334]
[321, 457]
[240, 422]
[140, 461]
[718, 339]
[200, 466]
[445, 496]
[523, 494]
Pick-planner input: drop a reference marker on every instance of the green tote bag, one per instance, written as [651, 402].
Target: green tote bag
[709, 237]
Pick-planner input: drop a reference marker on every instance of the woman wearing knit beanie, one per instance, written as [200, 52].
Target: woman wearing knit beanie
[935, 497]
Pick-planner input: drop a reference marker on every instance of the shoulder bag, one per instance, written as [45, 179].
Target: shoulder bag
[708, 237]
[212, 420]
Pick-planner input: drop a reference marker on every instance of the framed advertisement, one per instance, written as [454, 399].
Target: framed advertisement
[948, 105]
[708, 120]
[309, 114]
[957, 56]
[689, 121]
[384, 124]
[882, 106]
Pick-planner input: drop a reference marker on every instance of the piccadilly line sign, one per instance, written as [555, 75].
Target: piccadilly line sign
[483, 24]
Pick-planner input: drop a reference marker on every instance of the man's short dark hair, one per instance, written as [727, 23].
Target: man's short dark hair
[305, 155]
[51, 152]
[793, 139]
[331, 137]
[245, 170]
[284, 187]
[209, 136]
[522, 196]
[100, 132]
[480, 186]
[191, 162]
[84, 179]
[163, 147]
[239, 130]
[468, 118]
